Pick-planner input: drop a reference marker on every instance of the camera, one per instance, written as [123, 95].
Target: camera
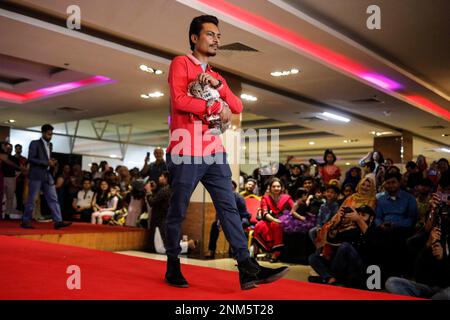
[347, 210]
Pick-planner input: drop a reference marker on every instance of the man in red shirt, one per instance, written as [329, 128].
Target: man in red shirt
[195, 155]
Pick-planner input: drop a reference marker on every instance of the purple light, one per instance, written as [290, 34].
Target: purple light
[381, 81]
[60, 88]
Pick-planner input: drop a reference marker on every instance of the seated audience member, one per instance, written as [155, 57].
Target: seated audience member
[347, 191]
[249, 187]
[101, 196]
[329, 170]
[268, 232]
[82, 204]
[342, 258]
[326, 211]
[112, 205]
[396, 216]
[365, 195]
[299, 219]
[316, 200]
[412, 177]
[216, 227]
[423, 191]
[432, 266]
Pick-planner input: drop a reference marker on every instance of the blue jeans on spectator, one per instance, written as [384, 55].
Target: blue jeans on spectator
[313, 233]
[410, 288]
[346, 265]
[215, 174]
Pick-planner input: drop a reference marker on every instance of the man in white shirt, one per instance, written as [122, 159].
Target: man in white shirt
[82, 204]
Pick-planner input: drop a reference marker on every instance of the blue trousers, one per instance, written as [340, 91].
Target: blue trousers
[413, 289]
[49, 190]
[215, 174]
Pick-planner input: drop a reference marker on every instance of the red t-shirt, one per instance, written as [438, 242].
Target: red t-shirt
[189, 135]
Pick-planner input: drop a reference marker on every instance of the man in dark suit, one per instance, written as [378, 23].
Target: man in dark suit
[40, 177]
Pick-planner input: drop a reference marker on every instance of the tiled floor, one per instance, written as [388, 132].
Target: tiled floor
[297, 272]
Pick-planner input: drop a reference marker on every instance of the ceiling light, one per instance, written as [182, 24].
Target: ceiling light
[381, 81]
[335, 117]
[311, 143]
[157, 71]
[155, 94]
[445, 150]
[112, 156]
[248, 97]
[347, 163]
[284, 72]
[145, 68]
[446, 134]
[11, 121]
[345, 141]
[144, 96]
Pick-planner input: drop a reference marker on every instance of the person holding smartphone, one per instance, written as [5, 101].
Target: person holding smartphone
[154, 169]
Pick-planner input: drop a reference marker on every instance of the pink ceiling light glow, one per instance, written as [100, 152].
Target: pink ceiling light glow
[381, 81]
[324, 54]
[53, 90]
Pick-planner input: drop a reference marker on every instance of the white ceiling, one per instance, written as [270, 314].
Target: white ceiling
[160, 25]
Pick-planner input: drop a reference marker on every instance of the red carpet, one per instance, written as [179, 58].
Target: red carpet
[12, 228]
[37, 270]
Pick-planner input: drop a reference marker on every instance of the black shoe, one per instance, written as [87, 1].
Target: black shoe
[174, 277]
[268, 275]
[62, 224]
[316, 279]
[246, 280]
[26, 225]
[250, 266]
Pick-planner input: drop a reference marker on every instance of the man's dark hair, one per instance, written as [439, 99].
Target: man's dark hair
[333, 187]
[86, 179]
[308, 179]
[426, 183]
[94, 164]
[443, 160]
[444, 181]
[234, 184]
[18, 145]
[46, 127]
[411, 165]
[394, 175]
[197, 25]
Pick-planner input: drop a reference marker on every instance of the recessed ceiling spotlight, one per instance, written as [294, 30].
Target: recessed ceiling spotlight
[155, 94]
[11, 120]
[157, 71]
[112, 156]
[145, 68]
[345, 141]
[248, 97]
[284, 72]
[311, 143]
[144, 96]
[347, 163]
[447, 150]
[446, 134]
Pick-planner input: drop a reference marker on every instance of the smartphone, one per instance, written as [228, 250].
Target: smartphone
[148, 154]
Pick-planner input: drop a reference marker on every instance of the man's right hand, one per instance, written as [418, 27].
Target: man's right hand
[435, 236]
[52, 163]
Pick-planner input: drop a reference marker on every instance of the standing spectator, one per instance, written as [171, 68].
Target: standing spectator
[329, 170]
[21, 178]
[82, 203]
[136, 203]
[4, 161]
[156, 168]
[294, 180]
[443, 166]
[352, 177]
[95, 171]
[9, 176]
[412, 176]
[41, 177]
[433, 174]
[424, 189]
